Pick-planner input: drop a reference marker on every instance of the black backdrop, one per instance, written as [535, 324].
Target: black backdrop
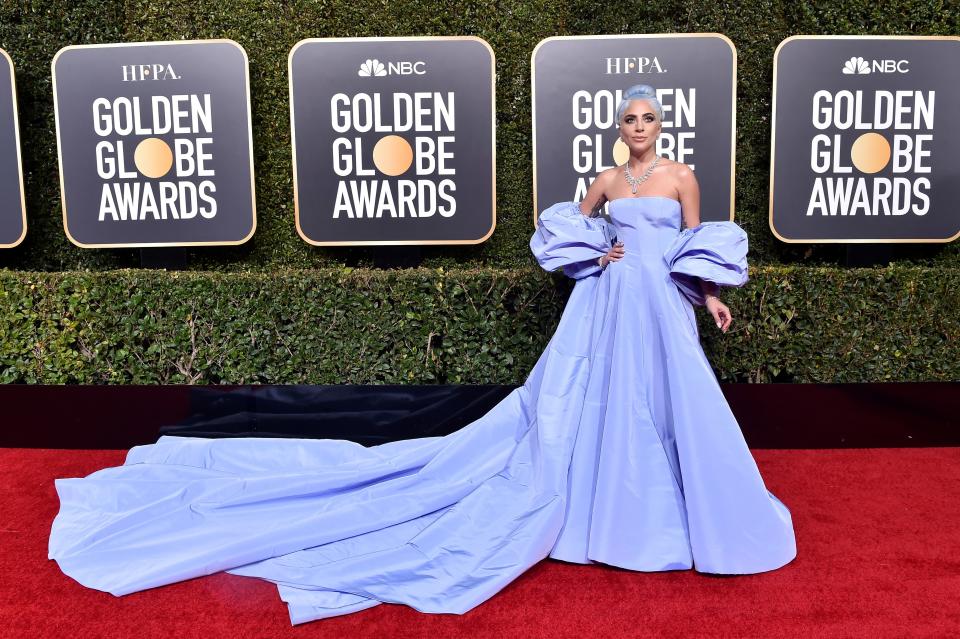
[770, 415]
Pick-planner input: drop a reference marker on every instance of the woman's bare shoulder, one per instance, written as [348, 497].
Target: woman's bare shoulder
[607, 176]
[679, 170]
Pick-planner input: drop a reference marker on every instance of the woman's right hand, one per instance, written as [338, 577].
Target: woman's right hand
[615, 254]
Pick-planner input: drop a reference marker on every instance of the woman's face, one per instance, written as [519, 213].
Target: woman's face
[639, 127]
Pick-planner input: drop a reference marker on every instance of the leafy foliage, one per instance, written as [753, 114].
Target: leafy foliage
[357, 326]
[277, 310]
[32, 32]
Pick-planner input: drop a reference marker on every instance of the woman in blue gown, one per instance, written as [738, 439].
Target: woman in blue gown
[619, 448]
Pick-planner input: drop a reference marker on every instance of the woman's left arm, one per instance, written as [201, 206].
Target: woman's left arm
[688, 191]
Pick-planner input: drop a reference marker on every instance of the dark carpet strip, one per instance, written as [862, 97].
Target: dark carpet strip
[911, 414]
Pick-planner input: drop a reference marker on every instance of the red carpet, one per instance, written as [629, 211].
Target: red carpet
[878, 536]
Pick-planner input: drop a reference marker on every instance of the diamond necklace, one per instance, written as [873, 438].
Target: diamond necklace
[635, 182]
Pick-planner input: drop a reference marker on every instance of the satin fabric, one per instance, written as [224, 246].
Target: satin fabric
[619, 448]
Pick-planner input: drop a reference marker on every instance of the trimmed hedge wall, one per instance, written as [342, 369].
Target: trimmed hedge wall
[32, 32]
[354, 326]
[281, 311]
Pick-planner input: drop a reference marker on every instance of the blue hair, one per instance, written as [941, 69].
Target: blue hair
[640, 92]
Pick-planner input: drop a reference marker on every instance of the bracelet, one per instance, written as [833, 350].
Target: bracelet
[600, 261]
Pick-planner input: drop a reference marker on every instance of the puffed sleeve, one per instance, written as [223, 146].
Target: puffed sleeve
[566, 237]
[714, 251]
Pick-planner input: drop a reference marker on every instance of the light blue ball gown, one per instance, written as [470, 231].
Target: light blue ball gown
[619, 448]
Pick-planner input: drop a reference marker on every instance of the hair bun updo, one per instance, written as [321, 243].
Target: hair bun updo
[640, 92]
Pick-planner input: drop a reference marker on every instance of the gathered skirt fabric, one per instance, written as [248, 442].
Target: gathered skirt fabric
[619, 448]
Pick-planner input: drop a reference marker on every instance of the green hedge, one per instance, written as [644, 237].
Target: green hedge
[277, 310]
[352, 326]
[33, 31]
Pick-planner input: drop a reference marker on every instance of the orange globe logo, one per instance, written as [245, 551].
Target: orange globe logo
[153, 157]
[870, 153]
[392, 155]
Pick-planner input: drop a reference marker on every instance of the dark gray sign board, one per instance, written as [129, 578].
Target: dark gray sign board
[393, 140]
[155, 143]
[864, 139]
[577, 84]
[13, 210]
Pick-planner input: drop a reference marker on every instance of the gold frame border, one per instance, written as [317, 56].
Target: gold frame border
[16, 134]
[56, 112]
[773, 142]
[493, 142]
[705, 34]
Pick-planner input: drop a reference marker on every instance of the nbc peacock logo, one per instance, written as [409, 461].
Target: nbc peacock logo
[856, 66]
[372, 68]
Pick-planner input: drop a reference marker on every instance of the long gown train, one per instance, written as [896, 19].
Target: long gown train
[619, 448]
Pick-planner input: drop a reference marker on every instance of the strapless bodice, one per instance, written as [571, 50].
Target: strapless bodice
[641, 213]
[646, 225]
[650, 228]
